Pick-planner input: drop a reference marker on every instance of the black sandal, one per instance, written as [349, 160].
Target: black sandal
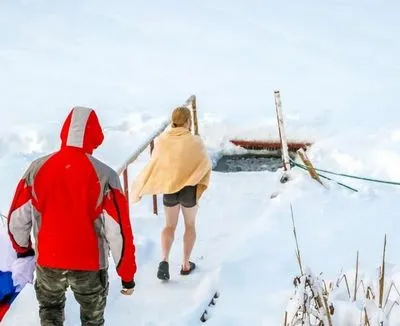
[192, 267]
[163, 271]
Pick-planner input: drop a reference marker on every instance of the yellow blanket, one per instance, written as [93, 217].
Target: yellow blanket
[179, 159]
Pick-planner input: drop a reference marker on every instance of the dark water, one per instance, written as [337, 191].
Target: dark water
[248, 162]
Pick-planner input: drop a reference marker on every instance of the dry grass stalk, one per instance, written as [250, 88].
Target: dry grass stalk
[325, 287]
[392, 286]
[382, 276]
[366, 320]
[390, 310]
[369, 291]
[344, 277]
[361, 284]
[356, 281]
[297, 243]
[285, 322]
[3, 219]
[369, 294]
[327, 311]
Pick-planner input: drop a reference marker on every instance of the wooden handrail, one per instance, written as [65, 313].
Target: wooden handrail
[124, 168]
[143, 146]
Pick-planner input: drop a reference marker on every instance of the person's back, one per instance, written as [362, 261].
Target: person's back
[78, 212]
[179, 169]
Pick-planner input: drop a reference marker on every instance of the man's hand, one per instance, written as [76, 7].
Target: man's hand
[128, 287]
[127, 291]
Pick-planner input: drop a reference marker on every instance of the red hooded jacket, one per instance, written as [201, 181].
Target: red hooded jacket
[75, 205]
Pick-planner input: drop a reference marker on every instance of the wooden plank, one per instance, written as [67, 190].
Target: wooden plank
[309, 166]
[272, 145]
[282, 135]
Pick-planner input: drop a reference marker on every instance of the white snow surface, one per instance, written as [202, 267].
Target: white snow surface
[337, 65]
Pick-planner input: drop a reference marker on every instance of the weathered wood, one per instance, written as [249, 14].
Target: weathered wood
[272, 145]
[309, 166]
[191, 104]
[195, 120]
[282, 135]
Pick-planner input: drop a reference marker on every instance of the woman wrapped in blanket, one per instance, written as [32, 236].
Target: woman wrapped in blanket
[180, 170]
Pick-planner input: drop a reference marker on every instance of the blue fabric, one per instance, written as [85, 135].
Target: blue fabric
[7, 288]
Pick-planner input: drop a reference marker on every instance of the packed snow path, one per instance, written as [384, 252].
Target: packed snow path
[230, 204]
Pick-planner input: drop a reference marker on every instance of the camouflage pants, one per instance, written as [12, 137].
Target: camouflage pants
[90, 290]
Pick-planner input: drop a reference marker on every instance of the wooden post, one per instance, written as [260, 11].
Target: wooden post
[282, 135]
[191, 102]
[194, 112]
[155, 205]
[309, 166]
[126, 185]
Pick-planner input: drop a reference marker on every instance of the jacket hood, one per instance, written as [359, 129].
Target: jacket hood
[82, 129]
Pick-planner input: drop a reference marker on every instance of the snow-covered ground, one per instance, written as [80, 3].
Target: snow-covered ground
[337, 65]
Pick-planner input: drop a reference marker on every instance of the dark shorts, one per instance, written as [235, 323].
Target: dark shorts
[186, 197]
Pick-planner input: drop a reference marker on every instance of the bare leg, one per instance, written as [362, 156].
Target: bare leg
[168, 233]
[189, 237]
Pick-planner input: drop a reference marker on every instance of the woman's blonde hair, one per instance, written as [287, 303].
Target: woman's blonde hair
[180, 116]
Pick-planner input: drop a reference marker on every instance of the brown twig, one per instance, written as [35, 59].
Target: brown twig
[328, 314]
[382, 276]
[369, 290]
[356, 281]
[297, 243]
[366, 321]
[392, 286]
[390, 310]
[326, 288]
[347, 284]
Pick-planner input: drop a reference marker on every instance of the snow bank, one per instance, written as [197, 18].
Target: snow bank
[336, 64]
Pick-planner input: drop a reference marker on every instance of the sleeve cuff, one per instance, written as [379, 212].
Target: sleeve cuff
[28, 253]
[128, 285]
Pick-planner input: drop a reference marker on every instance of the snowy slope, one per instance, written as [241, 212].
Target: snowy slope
[182, 300]
[335, 61]
[337, 65]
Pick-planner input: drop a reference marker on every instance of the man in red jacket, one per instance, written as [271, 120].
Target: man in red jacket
[77, 210]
